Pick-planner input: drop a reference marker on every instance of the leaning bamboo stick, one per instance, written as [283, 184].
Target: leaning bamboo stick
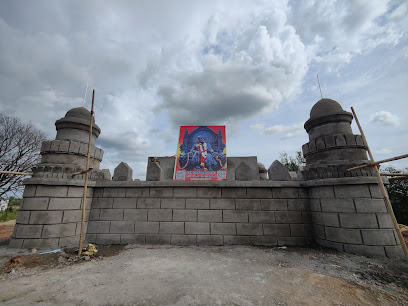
[81, 236]
[16, 173]
[382, 188]
[394, 174]
[378, 162]
[83, 171]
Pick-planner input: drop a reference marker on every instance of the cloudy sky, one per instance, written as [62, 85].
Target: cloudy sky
[251, 65]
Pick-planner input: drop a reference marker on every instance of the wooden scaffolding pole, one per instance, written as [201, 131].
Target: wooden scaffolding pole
[16, 173]
[81, 236]
[382, 188]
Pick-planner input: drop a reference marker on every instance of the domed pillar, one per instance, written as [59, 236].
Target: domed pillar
[348, 210]
[51, 210]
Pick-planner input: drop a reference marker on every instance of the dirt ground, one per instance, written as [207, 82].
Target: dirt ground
[6, 229]
[169, 275]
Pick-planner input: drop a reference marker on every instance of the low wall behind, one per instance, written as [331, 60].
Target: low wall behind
[181, 215]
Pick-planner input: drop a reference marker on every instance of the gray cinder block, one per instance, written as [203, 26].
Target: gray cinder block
[136, 192]
[197, 203]
[64, 203]
[243, 172]
[263, 240]
[274, 204]
[132, 239]
[98, 227]
[288, 217]
[370, 205]
[161, 239]
[171, 228]
[183, 239]
[249, 229]
[124, 203]
[114, 192]
[59, 230]
[35, 204]
[236, 240]
[248, 204]
[159, 215]
[176, 203]
[107, 239]
[352, 191]
[255, 192]
[358, 220]
[261, 217]
[102, 203]
[232, 192]
[235, 216]
[123, 172]
[164, 192]
[337, 205]
[210, 240]
[51, 191]
[28, 231]
[122, 227]
[111, 214]
[210, 192]
[279, 230]
[210, 216]
[142, 227]
[223, 229]
[154, 172]
[378, 237]
[285, 193]
[344, 235]
[222, 203]
[195, 228]
[45, 217]
[148, 203]
[185, 192]
[135, 215]
[184, 215]
[278, 172]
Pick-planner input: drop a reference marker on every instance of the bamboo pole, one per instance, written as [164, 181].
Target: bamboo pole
[83, 171]
[81, 236]
[382, 188]
[16, 173]
[394, 174]
[404, 177]
[378, 162]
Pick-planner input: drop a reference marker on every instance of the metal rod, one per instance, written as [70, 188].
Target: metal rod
[383, 190]
[81, 236]
[16, 173]
[378, 162]
[319, 86]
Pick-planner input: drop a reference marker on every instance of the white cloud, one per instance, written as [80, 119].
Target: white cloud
[383, 151]
[384, 118]
[286, 131]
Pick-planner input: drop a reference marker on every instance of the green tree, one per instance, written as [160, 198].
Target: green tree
[290, 162]
[398, 194]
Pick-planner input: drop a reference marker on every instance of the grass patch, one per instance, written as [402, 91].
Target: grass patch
[9, 214]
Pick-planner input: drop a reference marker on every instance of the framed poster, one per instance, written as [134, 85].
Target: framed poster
[201, 153]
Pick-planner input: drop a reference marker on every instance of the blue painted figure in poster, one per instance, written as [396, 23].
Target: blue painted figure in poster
[202, 149]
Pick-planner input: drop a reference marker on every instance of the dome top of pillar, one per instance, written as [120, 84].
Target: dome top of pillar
[79, 112]
[77, 118]
[325, 106]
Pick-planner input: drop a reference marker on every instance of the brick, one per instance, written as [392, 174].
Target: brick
[29, 191]
[249, 229]
[74, 216]
[197, 228]
[223, 229]
[158, 239]
[142, 227]
[358, 220]
[352, 191]
[392, 251]
[375, 191]
[185, 192]
[384, 221]
[78, 228]
[148, 203]
[111, 214]
[45, 217]
[378, 237]
[210, 240]
[98, 193]
[315, 205]
[337, 205]
[16, 243]
[98, 227]
[35, 204]
[301, 230]
[368, 250]
[78, 192]
[288, 217]
[327, 219]
[261, 217]
[235, 216]
[107, 239]
[210, 216]
[23, 217]
[28, 231]
[184, 215]
[51, 191]
[114, 192]
[64, 203]
[236, 240]
[306, 217]
[159, 215]
[263, 240]
[343, 235]
[90, 238]
[137, 192]
[132, 239]
[318, 231]
[171, 228]
[234, 192]
[102, 203]
[285, 193]
[176, 203]
[330, 244]
[135, 215]
[276, 230]
[298, 204]
[257, 193]
[161, 192]
[41, 243]
[183, 239]
[291, 241]
[124, 203]
[274, 204]
[70, 241]
[122, 227]
[222, 204]
[94, 214]
[197, 203]
[370, 205]
[321, 192]
[303, 193]
[248, 204]
[209, 192]
[59, 230]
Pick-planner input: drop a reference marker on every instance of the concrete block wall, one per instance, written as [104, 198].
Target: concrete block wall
[200, 215]
[353, 218]
[50, 216]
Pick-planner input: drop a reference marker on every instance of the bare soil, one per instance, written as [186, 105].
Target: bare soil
[169, 275]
